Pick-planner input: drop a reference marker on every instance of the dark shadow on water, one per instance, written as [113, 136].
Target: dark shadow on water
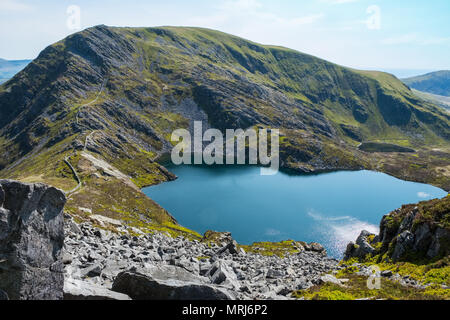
[166, 161]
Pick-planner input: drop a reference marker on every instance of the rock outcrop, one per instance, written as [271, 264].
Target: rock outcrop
[413, 232]
[31, 239]
[361, 248]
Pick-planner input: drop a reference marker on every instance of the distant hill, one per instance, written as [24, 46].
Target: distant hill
[404, 73]
[440, 101]
[437, 83]
[8, 68]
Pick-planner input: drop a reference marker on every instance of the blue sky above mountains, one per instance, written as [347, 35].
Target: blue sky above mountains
[372, 34]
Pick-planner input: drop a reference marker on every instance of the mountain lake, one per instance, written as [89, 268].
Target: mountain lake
[330, 208]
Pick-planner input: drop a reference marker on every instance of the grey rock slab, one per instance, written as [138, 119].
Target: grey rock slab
[83, 290]
[167, 283]
[328, 278]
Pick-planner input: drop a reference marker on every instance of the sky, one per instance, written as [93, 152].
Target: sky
[367, 34]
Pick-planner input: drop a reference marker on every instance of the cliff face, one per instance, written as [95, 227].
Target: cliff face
[413, 233]
[31, 241]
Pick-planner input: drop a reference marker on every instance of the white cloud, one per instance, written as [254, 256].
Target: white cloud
[338, 1]
[13, 5]
[402, 39]
[289, 22]
[433, 41]
[423, 195]
[272, 232]
[240, 5]
[305, 20]
[416, 39]
[254, 15]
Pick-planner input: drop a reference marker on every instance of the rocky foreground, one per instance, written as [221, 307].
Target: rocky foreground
[160, 267]
[42, 257]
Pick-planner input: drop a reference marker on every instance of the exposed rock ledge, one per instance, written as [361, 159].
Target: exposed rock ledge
[411, 233]
[99, 265]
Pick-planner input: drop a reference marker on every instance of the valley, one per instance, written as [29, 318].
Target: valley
[93, 115]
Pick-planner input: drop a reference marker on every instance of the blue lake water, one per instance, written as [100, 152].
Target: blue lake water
[331, 208]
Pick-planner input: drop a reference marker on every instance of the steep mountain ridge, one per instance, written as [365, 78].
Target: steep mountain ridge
[107, 99]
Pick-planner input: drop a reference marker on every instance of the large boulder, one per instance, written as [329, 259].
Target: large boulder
[361, 248]
[231, 248]
[222, 274]
[328, 278]
[317, 247]
[167, 283]
[31, 239]
[83, 290]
